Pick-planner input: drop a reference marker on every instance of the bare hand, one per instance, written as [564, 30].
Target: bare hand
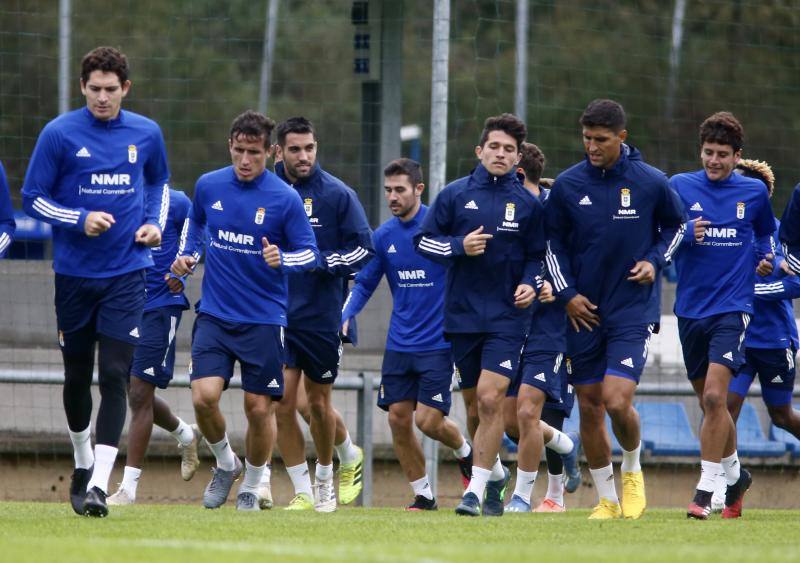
[700, 229]
[148, 235]
[183, 266]
[271, 253]
[546, 293]
[174, 284]
[345, 327]
[475, 242]
[643, 272]
[524, 296]
[581, 313]
[97, 222]
[765, 266]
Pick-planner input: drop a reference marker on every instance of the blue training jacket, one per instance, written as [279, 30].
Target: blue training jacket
[718, 274]
[158, 294]
[417, 286]
[600, 223]
[238, 285]
[7, 223]
[790, 231]
[344, 240]
[82, 164]
[773, 324]
[480, 289]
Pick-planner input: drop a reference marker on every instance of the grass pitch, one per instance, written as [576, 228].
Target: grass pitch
[172, 533]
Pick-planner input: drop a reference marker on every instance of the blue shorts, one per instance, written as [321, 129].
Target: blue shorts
[567, 400]
[775, 369]
[424, 377]
[154, 357]
[113, 306]
[543, 370]
[217, 344]
[316, 353]
[620, 351]
[715, 339]
[495, 352]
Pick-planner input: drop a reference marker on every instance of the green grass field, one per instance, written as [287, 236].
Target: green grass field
[170, 533]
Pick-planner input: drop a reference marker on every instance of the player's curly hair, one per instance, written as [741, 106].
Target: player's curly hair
[722, 128]
[509, 124]
[105, 59]
[758, 169]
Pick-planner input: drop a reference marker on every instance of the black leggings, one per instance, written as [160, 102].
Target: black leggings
[114, 363]
[555, 419]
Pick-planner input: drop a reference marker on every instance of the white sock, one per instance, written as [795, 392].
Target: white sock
[477, 484]
[82, 447]
[226, 459]
[323, 472]
[347, 452]
[183, 433]
[266, 475]
[603, 478]
[555, 488]
[708, 475]
[731, 466]
[252, 477]
[630, 460]
[561, 443]
[104, 458]
[498, 473]
[524, 485]
[130, 480]
[463, 451]
[301, 480]
[422, 487]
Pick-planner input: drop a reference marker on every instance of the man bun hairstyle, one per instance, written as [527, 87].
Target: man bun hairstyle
[604, 113]
[724, 129]
[407, 167]
[252, 125]
[104, 59]
[507, 123]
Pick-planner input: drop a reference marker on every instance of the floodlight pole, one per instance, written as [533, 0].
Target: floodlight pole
[64, 39]
[521, 91]
[439, 84]
[267, 55]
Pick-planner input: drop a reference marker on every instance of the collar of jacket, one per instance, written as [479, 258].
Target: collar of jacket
[626, 152]
[312, 178]
[486, 180]
[108, 123]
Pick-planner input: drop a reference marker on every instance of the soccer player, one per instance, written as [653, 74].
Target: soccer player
[731, 224]
[99, 176]
[536, 392]
[313, 346]
[489, 230]
[612, 225]
[7, 223]
[417, 366]
[250, 217]
[154, 360]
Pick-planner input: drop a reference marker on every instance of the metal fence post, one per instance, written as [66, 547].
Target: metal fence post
[364, 435]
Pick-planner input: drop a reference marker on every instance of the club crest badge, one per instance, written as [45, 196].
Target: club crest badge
[740, 210]
[132, 154]
[308, 205]
[260, 216]
[510, 208]
[625, 197]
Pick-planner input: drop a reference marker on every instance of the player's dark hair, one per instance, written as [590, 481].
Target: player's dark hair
[405, 167]
[299, 125]
[532, 162]
[105, 59]
[724, 129]
[604, 113]
[252, 125]
[507, 123]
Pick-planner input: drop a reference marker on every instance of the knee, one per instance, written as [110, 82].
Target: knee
[528, 412]
[428, 423]
[286, 408]
[490, 403]
[713, 401]
[591, 410]
[617, 407]
[205, 404]
[779, 418]
[139, 399]
[318, 404]
[257, 410]
[399, 421]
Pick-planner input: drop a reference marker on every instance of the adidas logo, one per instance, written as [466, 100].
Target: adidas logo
[777, 379]
[585, 201]
[150, 371]
[627, 362]
[728, 356]
[506, 364]
[437, 398]
[135, 332]
[471, 205]
[327, 375]
[540, 377]
[273, 384]
[217, 206]
[696, 207]
[391, 250]
[83, 153]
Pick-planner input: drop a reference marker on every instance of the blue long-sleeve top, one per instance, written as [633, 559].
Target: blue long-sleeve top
[7, 223]
[600, 223]
[344, 240]
[480, 289]
[773, 324]
[238, 285]
[790, 231]
[158, 294]
[417, 285]
[717, 275]
[81, 164]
